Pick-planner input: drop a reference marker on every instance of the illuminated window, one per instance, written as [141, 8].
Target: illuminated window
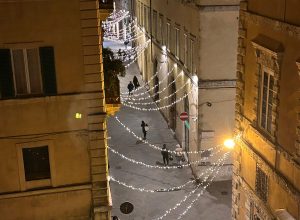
[36, 163]
[261, 186]
[266, 100]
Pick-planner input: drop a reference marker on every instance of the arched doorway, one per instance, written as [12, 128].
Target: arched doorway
[172, 116]
[187, 125]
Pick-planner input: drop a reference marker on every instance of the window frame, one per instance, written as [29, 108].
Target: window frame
[265, 70]
[154, 24]
[26, 185]
[177, 41]
[261, 185]
[26, 70]
[168, 35]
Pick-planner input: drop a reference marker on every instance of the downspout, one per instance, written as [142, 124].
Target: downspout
[151, 30]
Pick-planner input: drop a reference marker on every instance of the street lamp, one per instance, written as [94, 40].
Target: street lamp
[229, 143]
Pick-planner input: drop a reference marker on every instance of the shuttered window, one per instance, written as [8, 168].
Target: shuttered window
[27, 72]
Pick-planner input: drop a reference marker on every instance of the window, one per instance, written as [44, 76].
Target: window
[177, 42]
[155, 24]
[191, 58]
[36, 163]
[261, 186]
[185, 52]
[168, 35]
[266, 100]
[160, 28]
[26, 71]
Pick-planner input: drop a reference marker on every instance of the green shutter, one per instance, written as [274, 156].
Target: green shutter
[48, 70]
[6, 77]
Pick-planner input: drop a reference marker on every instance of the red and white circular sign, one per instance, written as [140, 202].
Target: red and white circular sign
[184, 116]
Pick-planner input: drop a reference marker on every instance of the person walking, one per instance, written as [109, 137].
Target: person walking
[136, 82]
[130, 88]
[179, 155]
[145, 128]
[165, 155]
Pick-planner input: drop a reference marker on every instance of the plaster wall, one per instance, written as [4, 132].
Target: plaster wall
[67, 205]
[55, 23]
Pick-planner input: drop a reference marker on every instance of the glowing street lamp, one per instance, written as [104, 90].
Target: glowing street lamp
[229, 143]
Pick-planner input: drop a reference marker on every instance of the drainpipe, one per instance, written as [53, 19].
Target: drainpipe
[151, 29]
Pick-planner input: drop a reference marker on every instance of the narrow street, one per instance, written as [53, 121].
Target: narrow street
[214, 204]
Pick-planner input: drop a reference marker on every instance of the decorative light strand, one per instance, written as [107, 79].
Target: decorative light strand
[157, 108]
[159, 100]
[167, 212]
[197, 197]
[162, 189]
[133, 61]
[158, 148]
[147, 91]
[126, 93]
[156, 166]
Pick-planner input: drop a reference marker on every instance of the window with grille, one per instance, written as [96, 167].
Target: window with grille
[266, 100]
[261, 186]
[36, 163]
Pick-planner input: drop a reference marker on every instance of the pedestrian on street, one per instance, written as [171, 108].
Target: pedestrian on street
[136, 82]
[145, 128]
[179, 155]
[130, 88]
[165, 155]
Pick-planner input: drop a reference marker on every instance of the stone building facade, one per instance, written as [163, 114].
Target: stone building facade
[53, 155]
[266, 161]
[193, 44]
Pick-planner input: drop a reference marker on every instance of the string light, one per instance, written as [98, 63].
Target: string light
[167, 212]
[166, 189]
[157, 108]
[156, 166]
[158, 148]
[126, 93]
[159, 100]
[197, 197]
[146, 92]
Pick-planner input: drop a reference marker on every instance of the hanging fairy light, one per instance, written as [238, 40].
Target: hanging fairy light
[125, 94]
[157, 147]
[211, 169]
[159, 100]
[156, 108]
[197, 197]
[167, 212]
[146, 92]
[156, 166]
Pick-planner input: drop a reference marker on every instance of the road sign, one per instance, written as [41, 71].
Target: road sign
[184, 116]
[126, 208]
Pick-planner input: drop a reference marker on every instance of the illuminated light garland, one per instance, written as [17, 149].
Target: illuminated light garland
[167, 212]
[158, 148]
[141, 87]
[156, 166]
[133, 61]
[126, 29]
[159, 100]
[117, 40]
[164, 189]
[125, 97]
[157, 108]
[197, 197]
[115, 18]
[141, 50]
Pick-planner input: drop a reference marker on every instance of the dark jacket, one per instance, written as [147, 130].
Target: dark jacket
[164, 152]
